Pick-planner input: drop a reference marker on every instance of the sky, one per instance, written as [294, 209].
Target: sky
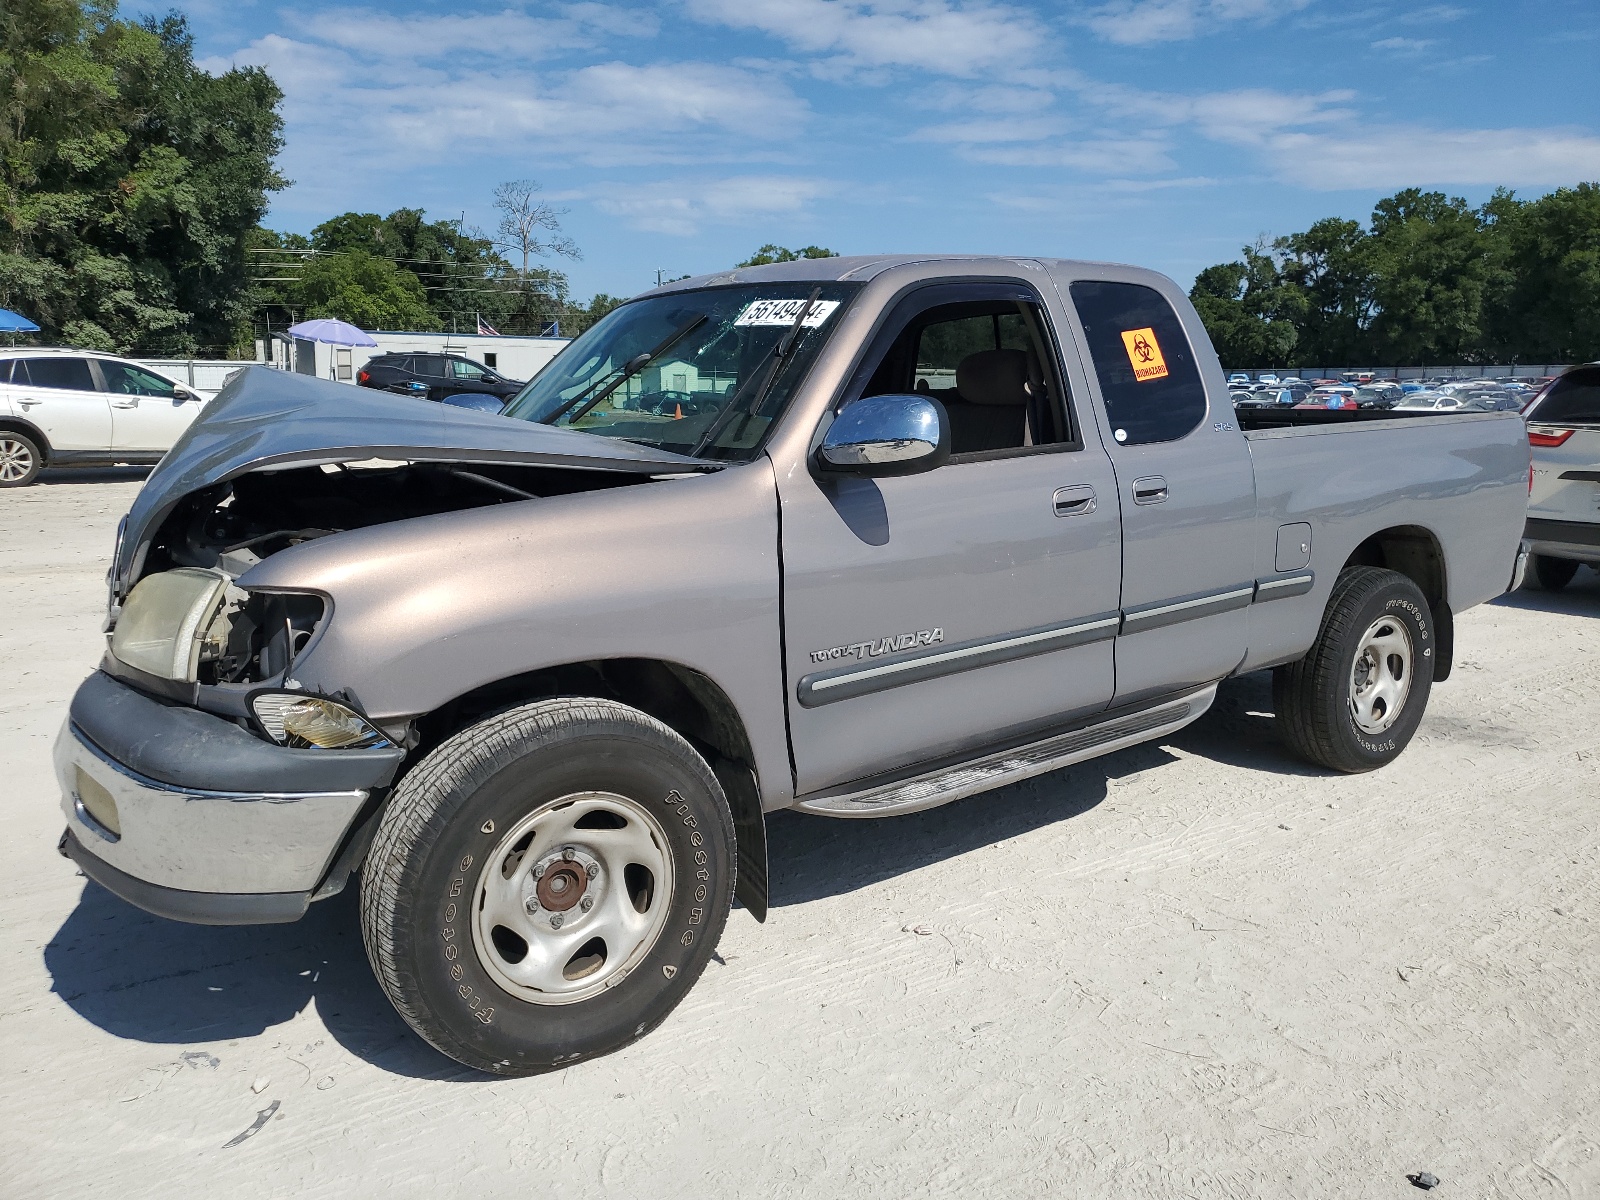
[680, 136]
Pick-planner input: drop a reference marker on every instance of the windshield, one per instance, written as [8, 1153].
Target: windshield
[704, 372]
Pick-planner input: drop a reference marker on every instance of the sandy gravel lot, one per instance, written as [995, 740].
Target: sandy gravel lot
[1196, 968]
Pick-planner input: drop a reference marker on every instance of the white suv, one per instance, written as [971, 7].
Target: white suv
[59, 407]
[1564, 495]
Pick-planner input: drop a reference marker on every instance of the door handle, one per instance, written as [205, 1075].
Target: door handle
[1075, 501]
[133, 403]
[29, 403]
[1152, 489]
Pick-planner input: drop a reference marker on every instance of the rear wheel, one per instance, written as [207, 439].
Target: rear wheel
[546, 886]
[1553, 574]
[20, 460]
[1355, 700]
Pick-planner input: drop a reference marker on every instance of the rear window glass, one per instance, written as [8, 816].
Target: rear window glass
[1574, 397]
[1147, 371]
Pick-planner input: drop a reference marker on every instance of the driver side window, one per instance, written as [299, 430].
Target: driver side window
[984, 353]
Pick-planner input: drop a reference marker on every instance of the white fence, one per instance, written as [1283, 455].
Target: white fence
[203, 374]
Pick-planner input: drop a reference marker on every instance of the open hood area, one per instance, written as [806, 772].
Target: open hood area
[269, 420]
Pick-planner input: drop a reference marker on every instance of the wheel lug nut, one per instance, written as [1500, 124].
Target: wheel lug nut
[531, 905]
[592, 870]
[538, 871]
[555, 920]
[567, 853]
[586, 903]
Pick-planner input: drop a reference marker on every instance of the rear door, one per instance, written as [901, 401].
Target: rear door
[1186, 487]
[148, 411]
[58, 394]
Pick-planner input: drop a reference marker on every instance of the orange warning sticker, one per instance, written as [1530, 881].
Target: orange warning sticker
[1144, 352]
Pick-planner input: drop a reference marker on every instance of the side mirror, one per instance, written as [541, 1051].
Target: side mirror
[887, 435]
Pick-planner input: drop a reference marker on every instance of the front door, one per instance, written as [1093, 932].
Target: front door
[933, 614]
[148, 412]
[1187, 489]
[58, 394]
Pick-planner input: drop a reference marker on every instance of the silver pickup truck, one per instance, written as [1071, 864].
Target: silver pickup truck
[856, 536]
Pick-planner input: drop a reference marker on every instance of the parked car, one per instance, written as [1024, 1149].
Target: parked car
[440, 375]
[1239, 377]
[1563, 527]
[1429, 402]
[539, 676]
[79, 407]
[1266, 377]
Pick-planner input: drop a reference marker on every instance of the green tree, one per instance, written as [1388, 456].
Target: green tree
[365, 290]
[129, 178]
[1248, 310]
[1429, 262]
[1544, 304]
[771, 253]
[1327, 265]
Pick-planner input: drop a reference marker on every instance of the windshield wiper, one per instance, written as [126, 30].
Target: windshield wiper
[629, 369]
[781, 350]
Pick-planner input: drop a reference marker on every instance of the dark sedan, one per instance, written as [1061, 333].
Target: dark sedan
[439, 375]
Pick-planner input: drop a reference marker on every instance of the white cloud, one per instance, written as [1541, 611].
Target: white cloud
[1402, 156]
[1094, 156]
[1404, 45]
[934, 35]
[1141, 22]
[681, 207]
[1011, 129]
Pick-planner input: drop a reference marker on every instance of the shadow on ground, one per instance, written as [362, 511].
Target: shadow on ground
[152, 980]
[1580, 598]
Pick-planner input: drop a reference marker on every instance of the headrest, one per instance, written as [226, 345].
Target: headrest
[993, 377]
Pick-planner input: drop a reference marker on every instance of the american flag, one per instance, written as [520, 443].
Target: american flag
[486, 330]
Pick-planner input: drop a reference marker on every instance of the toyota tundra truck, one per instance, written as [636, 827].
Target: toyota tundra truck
[853, 536]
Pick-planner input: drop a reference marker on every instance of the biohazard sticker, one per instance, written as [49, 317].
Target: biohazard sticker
[1144, 352]
[783, 312]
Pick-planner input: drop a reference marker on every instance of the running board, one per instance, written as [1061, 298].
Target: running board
[933, 788]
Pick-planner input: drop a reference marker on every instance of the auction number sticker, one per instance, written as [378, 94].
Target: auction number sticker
[1144, 353]
[783, 312]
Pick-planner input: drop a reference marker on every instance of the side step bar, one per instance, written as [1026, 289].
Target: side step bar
[933, 788]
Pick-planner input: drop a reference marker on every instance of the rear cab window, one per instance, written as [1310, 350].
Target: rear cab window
[1148, 376]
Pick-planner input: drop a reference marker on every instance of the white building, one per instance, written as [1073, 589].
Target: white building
[513, 357]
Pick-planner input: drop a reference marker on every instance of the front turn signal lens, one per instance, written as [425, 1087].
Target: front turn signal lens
[304, 721]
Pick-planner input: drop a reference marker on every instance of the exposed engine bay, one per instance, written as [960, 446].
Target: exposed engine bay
[229, 528]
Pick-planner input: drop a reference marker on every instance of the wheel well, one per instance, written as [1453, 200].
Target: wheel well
[1415, 553]
[683, 699]
[31, 432]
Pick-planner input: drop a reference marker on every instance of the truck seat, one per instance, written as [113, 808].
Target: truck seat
[989, 408]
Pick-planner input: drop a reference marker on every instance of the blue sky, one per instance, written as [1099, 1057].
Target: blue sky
[679, 136]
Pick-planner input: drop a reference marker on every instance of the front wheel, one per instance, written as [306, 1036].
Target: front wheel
[547, 885]
[1355, 700]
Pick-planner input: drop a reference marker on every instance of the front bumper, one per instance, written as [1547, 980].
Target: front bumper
[214, 825]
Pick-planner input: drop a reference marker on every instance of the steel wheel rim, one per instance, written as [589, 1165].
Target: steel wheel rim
[1380, 676]
[589, 852]
[16, 460]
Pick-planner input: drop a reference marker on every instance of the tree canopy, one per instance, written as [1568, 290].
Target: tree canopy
[129, 178]
[771, 253]
[1429, 279]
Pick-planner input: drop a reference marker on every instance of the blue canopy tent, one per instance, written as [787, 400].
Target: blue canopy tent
[11, 322]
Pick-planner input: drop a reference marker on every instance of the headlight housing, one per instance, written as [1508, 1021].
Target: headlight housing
[295, 719]
[165, 619]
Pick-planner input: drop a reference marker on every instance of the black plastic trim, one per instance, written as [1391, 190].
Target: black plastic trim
[184, 747]
[1572, 533]
[1283, 585]
[195, 908]
[1187, 608]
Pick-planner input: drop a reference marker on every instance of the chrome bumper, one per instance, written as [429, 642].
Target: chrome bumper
[173, 838]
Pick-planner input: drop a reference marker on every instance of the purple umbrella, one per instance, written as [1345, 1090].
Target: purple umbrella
[332, 331]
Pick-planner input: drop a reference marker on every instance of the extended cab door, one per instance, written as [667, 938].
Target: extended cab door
[148, 411]
[58, 394]
[1185, 484]
[932, 614]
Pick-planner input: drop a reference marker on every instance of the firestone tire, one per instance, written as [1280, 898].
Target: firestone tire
[1553, 574]
[20, 459]
[470, 906]
[1355, 700]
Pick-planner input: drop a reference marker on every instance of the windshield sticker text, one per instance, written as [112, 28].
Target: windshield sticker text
[1144, 353]
[783, 312]
[888, 645]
